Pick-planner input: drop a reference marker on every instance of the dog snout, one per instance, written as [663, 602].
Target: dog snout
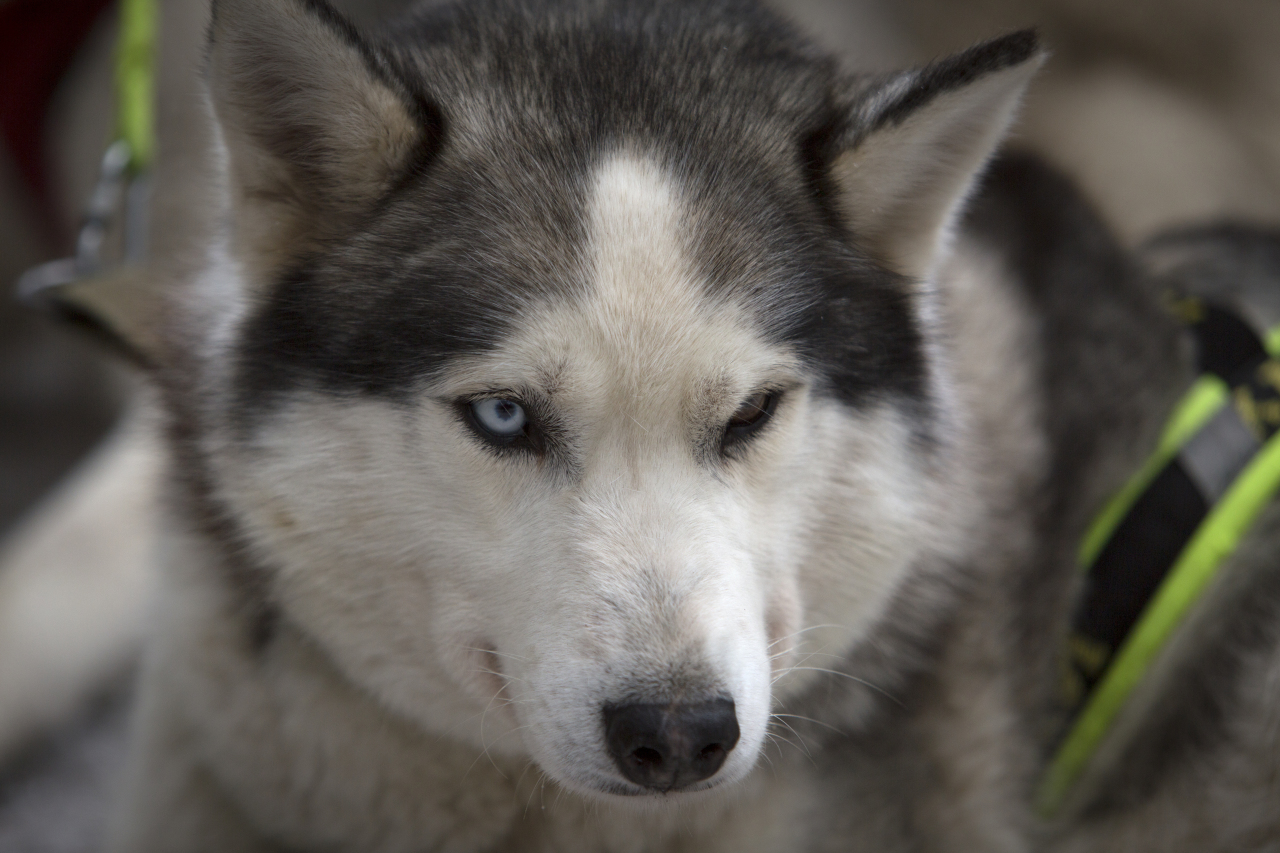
[670, 746]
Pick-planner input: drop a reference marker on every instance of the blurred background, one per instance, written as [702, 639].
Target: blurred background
[1166, 112]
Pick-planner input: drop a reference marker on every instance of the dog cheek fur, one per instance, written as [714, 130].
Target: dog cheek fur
[380, 578]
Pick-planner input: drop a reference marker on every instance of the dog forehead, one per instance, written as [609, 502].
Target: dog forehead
[645, 324]
[638, 263]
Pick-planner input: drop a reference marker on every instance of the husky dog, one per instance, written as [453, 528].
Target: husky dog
[601, 426]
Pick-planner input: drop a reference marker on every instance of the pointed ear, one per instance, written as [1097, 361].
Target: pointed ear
[912, 145]
[317, 123]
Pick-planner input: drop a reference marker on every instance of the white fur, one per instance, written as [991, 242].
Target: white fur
[493, 599]
[453, 621]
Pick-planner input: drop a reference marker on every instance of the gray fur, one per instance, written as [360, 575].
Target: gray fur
[974, 384]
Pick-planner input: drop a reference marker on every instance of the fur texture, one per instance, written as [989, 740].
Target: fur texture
[385, 626]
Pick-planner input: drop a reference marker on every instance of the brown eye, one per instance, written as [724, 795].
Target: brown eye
[750, 416]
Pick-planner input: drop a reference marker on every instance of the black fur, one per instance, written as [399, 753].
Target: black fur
[724, 95]
[955, 72]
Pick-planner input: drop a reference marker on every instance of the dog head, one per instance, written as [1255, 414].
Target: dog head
[568, 371]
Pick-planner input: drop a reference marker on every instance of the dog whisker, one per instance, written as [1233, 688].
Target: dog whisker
[501, 675]
[494, 652]
[537, 787]
[861, 681]
[791, 729]
[799, 633]
[803, 750]
[808, 720]
[483, 743]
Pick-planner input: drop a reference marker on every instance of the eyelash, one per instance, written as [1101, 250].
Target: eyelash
[763, 411]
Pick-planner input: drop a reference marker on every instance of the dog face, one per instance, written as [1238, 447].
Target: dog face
[559, 400]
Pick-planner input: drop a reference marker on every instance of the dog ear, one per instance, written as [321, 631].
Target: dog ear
[317, 123]
[909, 147]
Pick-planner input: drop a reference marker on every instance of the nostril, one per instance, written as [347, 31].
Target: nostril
[646, 757]
[708, 760]
[669, 746]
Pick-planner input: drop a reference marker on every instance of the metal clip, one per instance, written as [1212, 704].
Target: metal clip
[117, 199]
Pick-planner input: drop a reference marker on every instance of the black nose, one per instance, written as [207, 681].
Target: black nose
[670, 746]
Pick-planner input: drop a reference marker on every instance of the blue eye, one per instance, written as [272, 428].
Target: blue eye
[501, 418]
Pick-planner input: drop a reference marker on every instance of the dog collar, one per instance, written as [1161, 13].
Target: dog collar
[1156, 545]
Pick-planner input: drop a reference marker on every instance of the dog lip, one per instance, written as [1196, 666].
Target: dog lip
[598, 783]
[618, 788]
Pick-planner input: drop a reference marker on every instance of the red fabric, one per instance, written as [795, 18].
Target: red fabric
[38, 40]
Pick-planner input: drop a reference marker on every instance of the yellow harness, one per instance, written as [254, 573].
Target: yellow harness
[1156, 545]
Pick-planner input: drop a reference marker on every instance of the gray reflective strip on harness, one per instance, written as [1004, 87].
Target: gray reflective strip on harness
[1218, 453]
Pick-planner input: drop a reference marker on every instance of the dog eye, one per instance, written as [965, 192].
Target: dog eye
[751, 415]
[499, 418]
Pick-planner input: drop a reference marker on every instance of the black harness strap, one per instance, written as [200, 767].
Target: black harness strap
[1140, 552]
